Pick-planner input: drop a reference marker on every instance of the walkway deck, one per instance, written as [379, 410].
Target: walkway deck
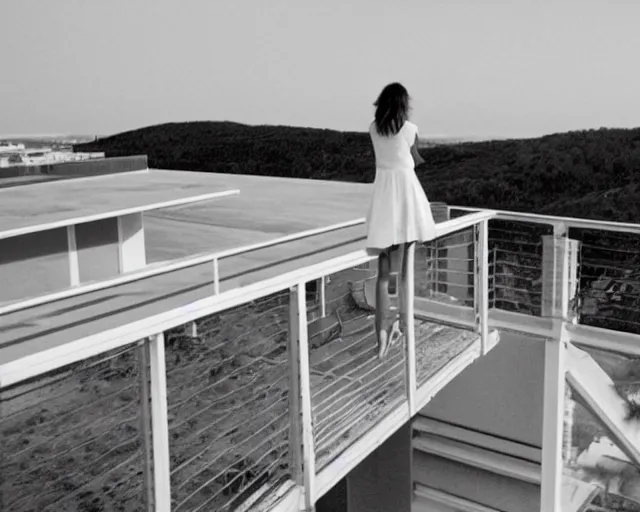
[352, 390]
[215, 411]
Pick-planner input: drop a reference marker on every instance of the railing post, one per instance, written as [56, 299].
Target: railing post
[556, 255]
[191, 329]
[160, 425]
[553, 424]
[434, 267]
[216, 276]
[323, 297]
[295, 412]
[308, 444]
[409, 322]
[559, 273]
[481, 284]
[441, 213]
[74, 265]
[494, 269]
[145, 420]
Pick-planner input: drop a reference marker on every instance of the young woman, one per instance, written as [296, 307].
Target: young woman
[399, 214]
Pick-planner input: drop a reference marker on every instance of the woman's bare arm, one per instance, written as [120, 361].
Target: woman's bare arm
[415, 154]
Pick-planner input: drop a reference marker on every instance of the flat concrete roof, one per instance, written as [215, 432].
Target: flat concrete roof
[50, 205]
[266, 209]
[29, 179]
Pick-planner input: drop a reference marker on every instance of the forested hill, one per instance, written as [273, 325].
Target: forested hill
[592, 174]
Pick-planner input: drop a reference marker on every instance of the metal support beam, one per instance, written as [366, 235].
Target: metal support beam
[553, 425]
[556, 306]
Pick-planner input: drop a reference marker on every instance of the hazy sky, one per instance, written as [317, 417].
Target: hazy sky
[473, 67]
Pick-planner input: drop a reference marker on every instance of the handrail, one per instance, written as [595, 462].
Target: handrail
[625, 227]
[180, 264]
[451, 226]
[76, 350]
[26, 230]
[192, 261]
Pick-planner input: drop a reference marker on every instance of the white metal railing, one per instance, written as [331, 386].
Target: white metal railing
[172, 266]
[310, 480]
[560, 222]
[561, 331]
[596, 337]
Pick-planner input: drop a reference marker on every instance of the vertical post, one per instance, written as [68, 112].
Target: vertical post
[308, 444]
[74, 265]
[145, 420]
[191, 329]
[573, 277]
[409, 322]
[323, 297]
[216, 276]
[556, 253]
[434, 267]
[131, 245]
[481, 284]
[495, 271]
[553, 425]
[295, 413]
[441, 213]
[559, 269]
[563, 276]
[160, 425]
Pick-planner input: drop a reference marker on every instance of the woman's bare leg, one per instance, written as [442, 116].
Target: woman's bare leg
[402, 284]
[383, 304]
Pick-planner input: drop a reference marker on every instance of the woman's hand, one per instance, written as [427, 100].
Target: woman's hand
[417, 158]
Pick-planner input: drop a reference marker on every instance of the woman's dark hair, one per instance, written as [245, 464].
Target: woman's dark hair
[392, 109]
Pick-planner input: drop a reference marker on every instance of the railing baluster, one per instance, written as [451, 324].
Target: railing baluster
[308, 444]
[494, 270]
[295, 413]
[216, 276]
[160, 425]
[409, 322]
[145, 420]
[323, 297]
[481, 284]
[434, 267]
[74, 265]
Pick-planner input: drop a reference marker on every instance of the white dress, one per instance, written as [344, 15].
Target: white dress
[399, 211]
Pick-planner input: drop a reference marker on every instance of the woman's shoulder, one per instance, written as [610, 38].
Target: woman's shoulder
[410, 131]
[410, 127]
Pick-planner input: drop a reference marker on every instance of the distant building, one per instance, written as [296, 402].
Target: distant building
[19, 155]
